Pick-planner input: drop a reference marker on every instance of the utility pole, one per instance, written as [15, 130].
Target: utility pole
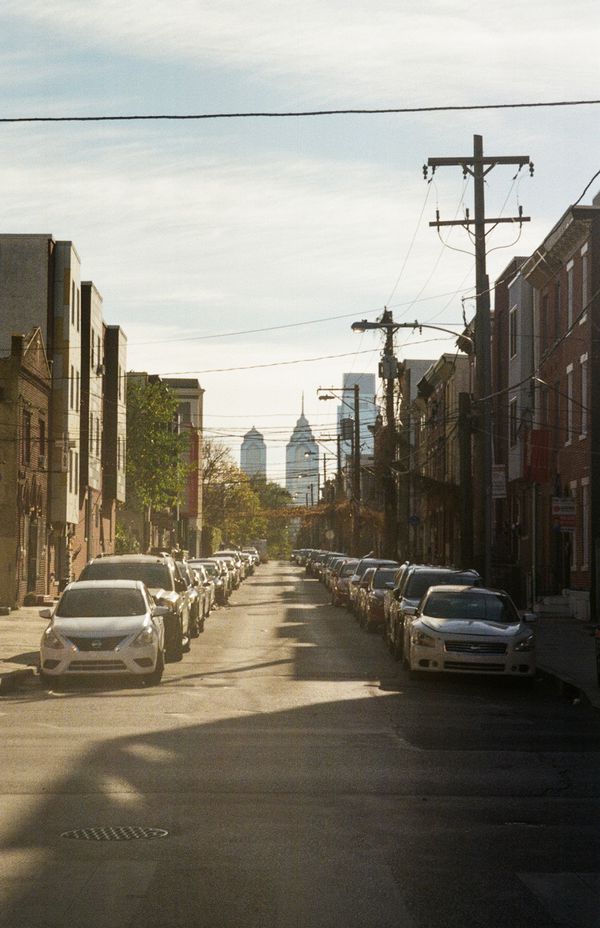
[356, 474]
[478, 167]
[389, 373]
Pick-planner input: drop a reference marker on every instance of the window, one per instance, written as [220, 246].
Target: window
[512, 422]
[573, 535]
[77, 389]
[570, 294]
[583, 366]
[98, 437]
[544, 322]
[569, 435]
[91, 441]
[120, 382]
[70, 471]
[557, 410]
[557, 310]
[512, 332]
[72, 387]
[78, 308]
[93, 351]
[72, 302]
[585, 523]
[585, 283]
[42, 435]
[26, 437]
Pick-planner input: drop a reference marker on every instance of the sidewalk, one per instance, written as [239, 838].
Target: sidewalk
[566, 650]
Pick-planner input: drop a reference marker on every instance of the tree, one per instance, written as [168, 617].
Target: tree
[156, 475]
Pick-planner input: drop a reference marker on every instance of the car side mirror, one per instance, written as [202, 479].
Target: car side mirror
[45, 613]
[389, 585]
[410, 610]
[180, 586]
[160, 611]
[530, 617]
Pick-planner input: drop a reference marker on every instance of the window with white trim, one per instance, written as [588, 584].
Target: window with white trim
[585, 523]
[513, 322]
[513, 429]
[585, 283]
[569, 404]
[570, 293]
[573, 535]
[583, 366]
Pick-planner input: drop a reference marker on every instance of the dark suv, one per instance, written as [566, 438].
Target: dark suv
[415, 583]
[164, 583]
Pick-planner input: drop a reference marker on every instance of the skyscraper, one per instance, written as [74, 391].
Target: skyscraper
[302, 464]
[253, 454]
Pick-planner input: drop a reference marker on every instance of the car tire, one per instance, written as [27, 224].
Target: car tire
[174, 651]
[50, 681]
[155, 676]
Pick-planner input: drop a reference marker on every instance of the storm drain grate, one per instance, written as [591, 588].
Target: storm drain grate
[115, 833]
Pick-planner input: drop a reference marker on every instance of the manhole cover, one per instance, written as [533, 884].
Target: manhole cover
[115, 833]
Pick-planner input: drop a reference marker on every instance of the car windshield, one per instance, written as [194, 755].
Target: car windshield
[471, 606]
[211, 569]
[419, 583]
[348, 569]
[153, 575]
[382, 577]
[87, 604]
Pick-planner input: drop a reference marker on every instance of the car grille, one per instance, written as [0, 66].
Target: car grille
[97, 644]
[474, 665]
[82, 666]
[475, 647]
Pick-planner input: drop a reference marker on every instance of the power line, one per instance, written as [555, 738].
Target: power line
[286, 114]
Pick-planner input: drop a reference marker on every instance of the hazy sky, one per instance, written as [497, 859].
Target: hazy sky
[196, 229]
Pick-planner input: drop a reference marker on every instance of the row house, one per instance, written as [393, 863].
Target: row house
[41, 289]
[546, 430]
[440, 461]
[25, 559]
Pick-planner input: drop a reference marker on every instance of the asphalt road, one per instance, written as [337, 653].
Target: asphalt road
[304, 780]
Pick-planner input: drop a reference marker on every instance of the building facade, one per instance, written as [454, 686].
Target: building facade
[302, 464]
[27, 568]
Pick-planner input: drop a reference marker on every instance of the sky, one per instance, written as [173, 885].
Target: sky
[222, 246]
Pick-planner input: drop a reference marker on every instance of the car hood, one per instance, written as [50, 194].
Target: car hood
[99, 627]
[481, 627]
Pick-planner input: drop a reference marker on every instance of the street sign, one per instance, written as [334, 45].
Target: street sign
[563, 513]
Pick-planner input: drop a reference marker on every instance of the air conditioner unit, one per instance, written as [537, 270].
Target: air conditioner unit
[101, 370]
[42, 462]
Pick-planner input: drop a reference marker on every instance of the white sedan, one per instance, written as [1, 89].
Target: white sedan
[104, 627]
[465, 629]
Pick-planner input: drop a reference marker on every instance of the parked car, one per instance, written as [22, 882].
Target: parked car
[195, 595]
[416, 581]
[205, 581]
[104, 627]
[371, 614]
[363, 565]
[390, 590]
[339, 587]
[465, 629]
[361, 593]
[235, 562]
[161, 577]
[218, 572]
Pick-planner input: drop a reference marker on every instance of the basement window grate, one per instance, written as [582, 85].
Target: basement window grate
[115, 833]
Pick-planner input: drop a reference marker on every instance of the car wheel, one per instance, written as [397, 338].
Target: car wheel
[155, 676]
[175, 645]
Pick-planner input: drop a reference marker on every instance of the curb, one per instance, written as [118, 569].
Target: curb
[566, 686]
[9, 679]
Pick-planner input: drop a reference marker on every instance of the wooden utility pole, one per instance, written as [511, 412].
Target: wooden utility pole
[356, 474]
[478, 167]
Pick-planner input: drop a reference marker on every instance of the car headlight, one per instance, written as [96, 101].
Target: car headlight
[525, 644]
[423, 640]
[51, 639]
[144, 638]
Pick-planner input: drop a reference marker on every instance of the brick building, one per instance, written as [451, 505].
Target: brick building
[27, 568]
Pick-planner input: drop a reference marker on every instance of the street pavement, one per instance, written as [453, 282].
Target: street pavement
[566, 651]
[304, 781]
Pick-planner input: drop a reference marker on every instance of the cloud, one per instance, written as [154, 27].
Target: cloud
[332, 50]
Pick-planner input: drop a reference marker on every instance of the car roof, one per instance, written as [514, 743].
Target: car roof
[461, 588]
[133, 558]
[105, 584]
